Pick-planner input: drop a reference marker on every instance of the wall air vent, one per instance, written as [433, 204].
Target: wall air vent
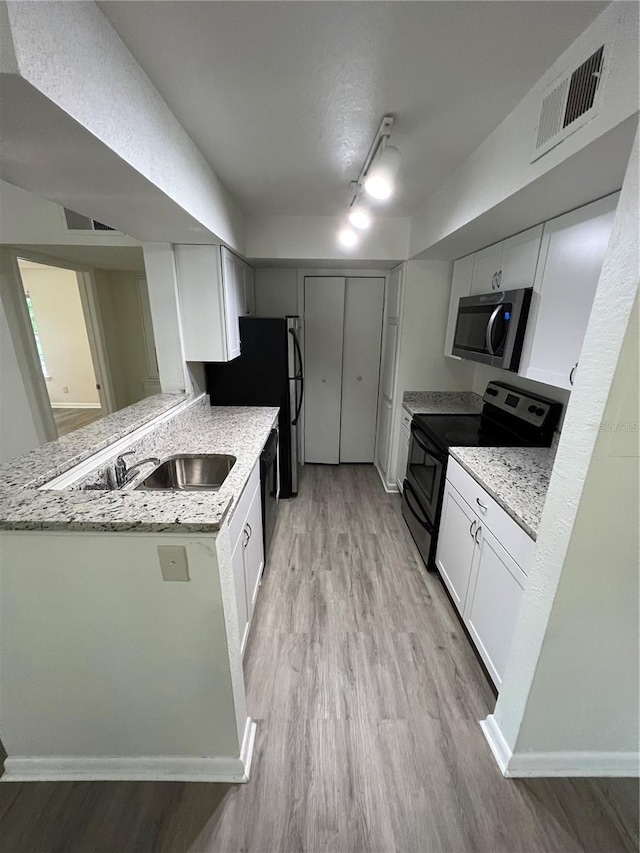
[77, 222]
[570, 103]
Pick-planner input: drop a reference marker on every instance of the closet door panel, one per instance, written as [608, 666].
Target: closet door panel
[364, 302]
[323, 336]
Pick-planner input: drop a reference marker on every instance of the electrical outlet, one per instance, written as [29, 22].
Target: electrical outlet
[173, 562]
[65, 389]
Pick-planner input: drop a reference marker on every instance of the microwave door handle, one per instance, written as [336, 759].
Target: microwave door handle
[489, 332]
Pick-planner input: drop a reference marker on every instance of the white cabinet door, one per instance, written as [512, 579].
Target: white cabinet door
[486, 266]
[364, 301]
[237, 563]
[403, 456]
[456, 544]
[520, 259]
[233, 287]
[323, 339]
[384, 430]
[571, 258]
[493, 603]
[247, 307]
[460, 286]
[202, 303]
[253, 551]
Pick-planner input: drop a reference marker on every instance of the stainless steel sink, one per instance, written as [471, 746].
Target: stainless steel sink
[205, 472]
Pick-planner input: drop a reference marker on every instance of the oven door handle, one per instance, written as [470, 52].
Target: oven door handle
[489, 332]
[430, 450]
[408, 491]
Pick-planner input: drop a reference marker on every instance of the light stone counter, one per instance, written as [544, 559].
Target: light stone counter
[239, 431]
[442, 402]
[516, 477]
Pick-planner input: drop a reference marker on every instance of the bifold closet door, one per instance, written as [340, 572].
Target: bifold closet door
[323, 336]
[364, 303]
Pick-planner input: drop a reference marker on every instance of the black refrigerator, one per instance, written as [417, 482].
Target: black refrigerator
[267, 373]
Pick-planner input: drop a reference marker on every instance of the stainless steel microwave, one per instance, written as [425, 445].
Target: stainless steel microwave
[490, 327]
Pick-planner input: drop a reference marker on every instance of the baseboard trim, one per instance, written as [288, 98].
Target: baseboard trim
[157, 768]
[391, 490]
[75, 405]
[522, 765]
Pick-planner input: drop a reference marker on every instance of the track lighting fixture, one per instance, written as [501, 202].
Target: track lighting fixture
[377, 179]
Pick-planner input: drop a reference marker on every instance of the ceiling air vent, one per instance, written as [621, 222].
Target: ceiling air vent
[568, 104]
[78, 222]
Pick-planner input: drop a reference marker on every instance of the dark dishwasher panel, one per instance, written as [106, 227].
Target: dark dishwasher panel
[269, 489]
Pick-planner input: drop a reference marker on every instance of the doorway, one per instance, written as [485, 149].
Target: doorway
[57, 304]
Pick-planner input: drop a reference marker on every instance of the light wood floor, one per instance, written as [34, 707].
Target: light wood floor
[367, 697]
[68, 420]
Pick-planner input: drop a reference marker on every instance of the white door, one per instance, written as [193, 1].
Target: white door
[403, 456]
[493, 603]
[456, 543]
[323, 337]
[571, 258]
[233, 286]
[486, 266]
[520, 259]
[364, 302]
[254, 550]
[237, 564]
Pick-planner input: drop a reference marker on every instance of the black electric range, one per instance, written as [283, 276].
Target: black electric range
[510, 418]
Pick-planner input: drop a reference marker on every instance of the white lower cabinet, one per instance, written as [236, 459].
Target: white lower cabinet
[247, 548]
[485, 581]
[403, 450]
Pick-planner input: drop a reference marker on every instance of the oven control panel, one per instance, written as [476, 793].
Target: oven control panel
[533, 410]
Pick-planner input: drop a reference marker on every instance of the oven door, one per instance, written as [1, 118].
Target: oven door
[425, 472]
[421, 528]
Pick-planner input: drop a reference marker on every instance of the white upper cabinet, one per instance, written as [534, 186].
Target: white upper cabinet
[460, 286]
[215, 289]
[571, 257]
[520, 259]
[486, 268]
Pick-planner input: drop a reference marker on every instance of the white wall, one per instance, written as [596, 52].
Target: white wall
[568, 701]
[99, 87]
[276, 292]
[313, 238]
[500, 167]
[28, 218]
[62, 330]
[586, 680]
[422, 365]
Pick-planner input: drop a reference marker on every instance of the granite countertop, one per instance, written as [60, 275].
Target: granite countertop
[48, 461]
[240, 431]
[442, 402]
[516, 477]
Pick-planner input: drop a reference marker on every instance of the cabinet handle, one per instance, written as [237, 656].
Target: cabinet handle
[499, 280]
[246, 534]
[471, 528]
[493, 282]
[481, 505]
[476, 534]
[250, 531]
[573, 370]
[359, 378]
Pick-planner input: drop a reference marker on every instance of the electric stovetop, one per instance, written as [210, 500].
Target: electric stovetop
[468, 431]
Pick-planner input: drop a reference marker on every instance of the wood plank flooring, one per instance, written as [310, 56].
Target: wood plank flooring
[68, 420]
[367, 697]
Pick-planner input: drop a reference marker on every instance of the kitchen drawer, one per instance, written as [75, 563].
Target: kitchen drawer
[406, 419]
[492, 516]
[240, 511]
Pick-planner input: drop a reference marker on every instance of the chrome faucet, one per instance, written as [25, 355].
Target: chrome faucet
[124, 474]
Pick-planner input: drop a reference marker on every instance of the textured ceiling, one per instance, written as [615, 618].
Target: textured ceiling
[284, 98]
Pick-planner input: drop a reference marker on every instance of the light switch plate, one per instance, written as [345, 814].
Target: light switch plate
[173, 562]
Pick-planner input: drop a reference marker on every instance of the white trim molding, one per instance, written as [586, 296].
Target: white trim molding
[139, 768]
[516, 765]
